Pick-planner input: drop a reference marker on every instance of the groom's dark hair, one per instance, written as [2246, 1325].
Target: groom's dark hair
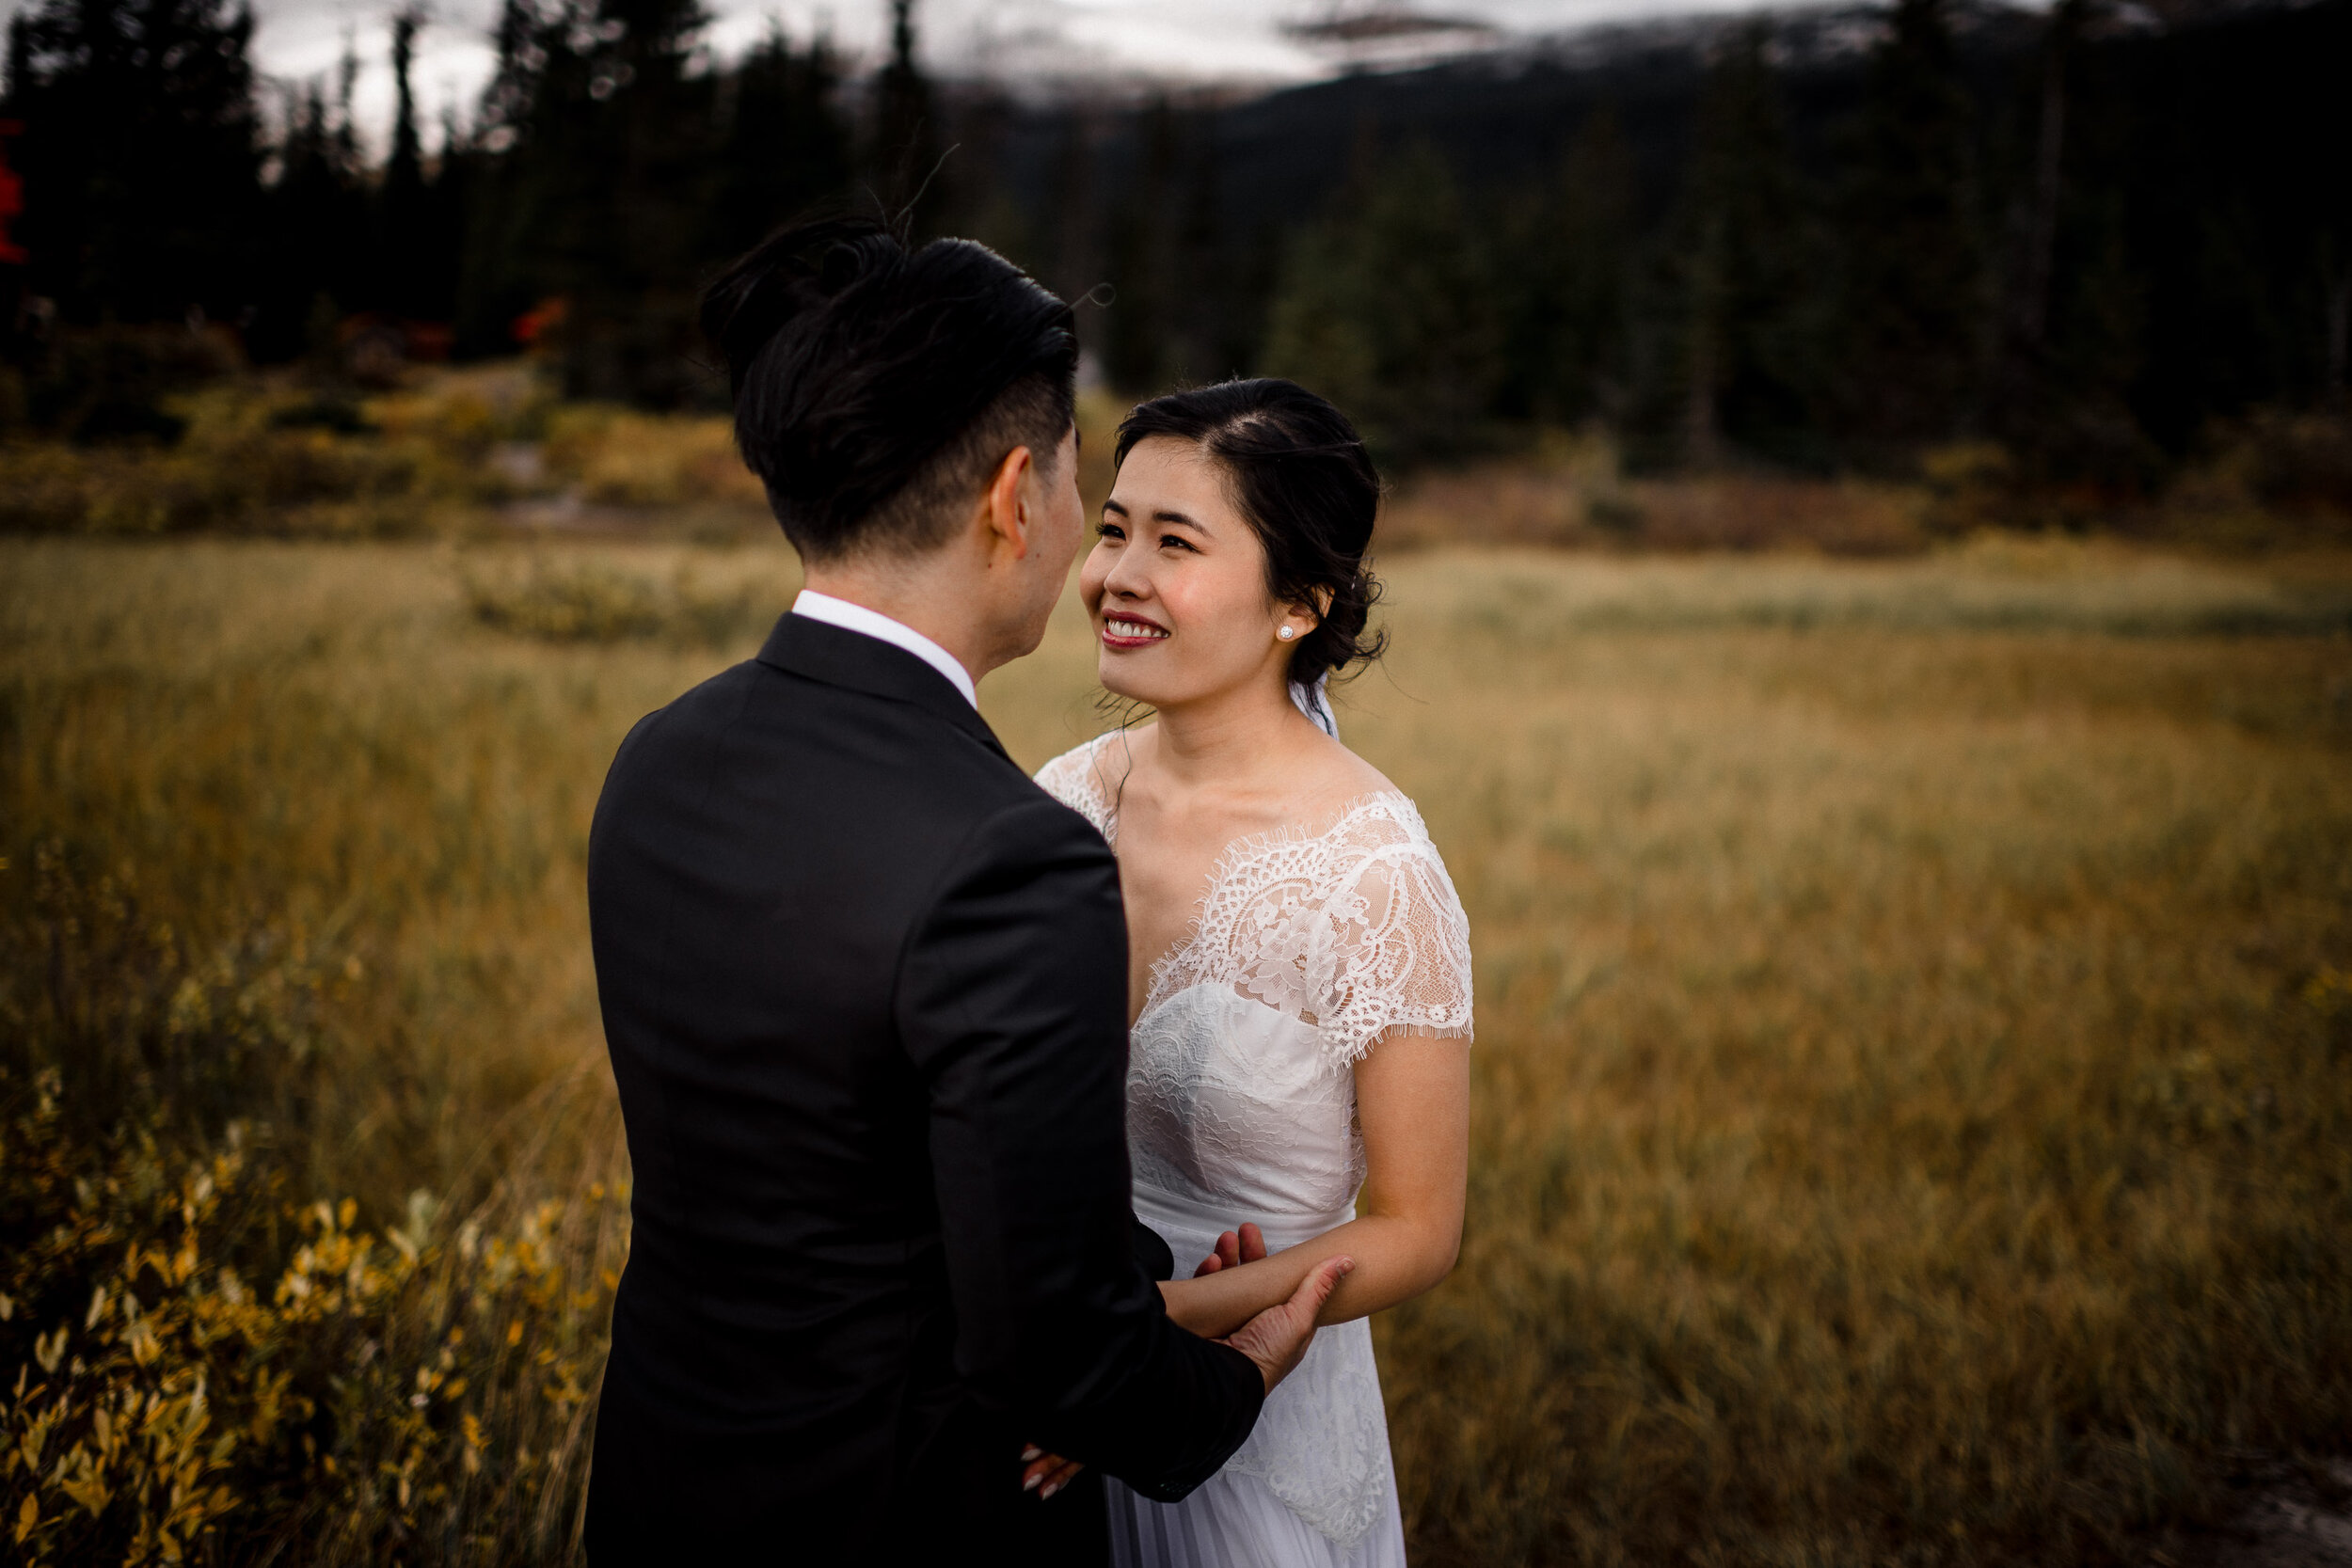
[877, 387]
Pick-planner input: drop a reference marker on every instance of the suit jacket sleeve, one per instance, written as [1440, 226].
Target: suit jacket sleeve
[1012, 1005]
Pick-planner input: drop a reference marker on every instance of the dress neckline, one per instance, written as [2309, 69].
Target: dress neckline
[1230, 860]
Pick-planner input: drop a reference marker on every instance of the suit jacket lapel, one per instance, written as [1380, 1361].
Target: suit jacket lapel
[847, 658]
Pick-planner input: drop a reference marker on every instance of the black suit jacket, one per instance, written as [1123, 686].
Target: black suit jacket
[864, 989]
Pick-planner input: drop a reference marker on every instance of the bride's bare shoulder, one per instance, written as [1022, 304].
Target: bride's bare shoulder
[1339, 776]
[1114, 754]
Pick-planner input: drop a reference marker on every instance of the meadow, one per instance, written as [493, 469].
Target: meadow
[1913, 1084]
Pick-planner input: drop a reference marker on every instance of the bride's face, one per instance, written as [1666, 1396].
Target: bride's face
[1177, 584]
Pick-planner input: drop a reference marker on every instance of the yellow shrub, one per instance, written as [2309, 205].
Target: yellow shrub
[180, 1374]
[194, 1360]
[618, 457]
[235, 471]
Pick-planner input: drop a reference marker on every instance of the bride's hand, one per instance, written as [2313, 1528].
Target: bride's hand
[1046, 1473]
[1233, 1249]
[1277, 1337]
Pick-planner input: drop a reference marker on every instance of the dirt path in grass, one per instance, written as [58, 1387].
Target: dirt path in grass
[2293, 1518]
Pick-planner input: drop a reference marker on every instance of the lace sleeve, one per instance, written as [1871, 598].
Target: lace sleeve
[1399, 959]
[1069, 779]
[1357, 932]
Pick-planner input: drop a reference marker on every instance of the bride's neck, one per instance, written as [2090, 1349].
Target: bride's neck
[1228, 738]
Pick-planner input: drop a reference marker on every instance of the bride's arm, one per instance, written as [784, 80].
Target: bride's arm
[1412, 1101]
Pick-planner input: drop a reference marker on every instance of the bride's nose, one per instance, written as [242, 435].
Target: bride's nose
[1125, 581]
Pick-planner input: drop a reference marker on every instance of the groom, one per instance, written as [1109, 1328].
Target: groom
[865, 991]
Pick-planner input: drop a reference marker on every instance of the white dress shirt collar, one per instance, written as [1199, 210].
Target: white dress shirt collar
[869, 623]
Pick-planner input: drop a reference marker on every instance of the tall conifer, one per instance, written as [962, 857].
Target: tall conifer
[903, 151]
[1137, 349]
[409, 280]
[141, 156]
[1571, 350]
[646, 188]
[1745, 264]
[1385, 306]
[1913, 304]
[784, 150]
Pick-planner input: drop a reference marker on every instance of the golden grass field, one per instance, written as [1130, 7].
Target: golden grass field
[1914, 1084]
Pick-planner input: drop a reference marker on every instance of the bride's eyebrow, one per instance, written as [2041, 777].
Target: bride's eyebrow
[1163, 514]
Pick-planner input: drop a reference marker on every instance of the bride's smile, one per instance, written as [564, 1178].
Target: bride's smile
[1131, 631]
[1177, 584]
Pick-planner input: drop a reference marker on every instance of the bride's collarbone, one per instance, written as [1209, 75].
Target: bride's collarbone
[1168, 866]
[1204, 824]
[1289, 794]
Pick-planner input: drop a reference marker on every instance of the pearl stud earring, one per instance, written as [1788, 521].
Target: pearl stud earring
[1287, 633]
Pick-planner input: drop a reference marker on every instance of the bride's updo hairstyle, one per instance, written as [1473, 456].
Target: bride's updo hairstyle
[1295, 469]
[878, 388]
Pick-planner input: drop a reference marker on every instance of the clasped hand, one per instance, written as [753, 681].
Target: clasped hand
[1275, 1339]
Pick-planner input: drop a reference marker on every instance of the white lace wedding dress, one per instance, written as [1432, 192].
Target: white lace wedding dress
[1311, 946]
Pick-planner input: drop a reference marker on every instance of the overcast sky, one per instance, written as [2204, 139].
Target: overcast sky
[1211, 39]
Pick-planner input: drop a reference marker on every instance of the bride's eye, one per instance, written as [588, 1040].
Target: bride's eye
[1109, 530]
[1179, 540]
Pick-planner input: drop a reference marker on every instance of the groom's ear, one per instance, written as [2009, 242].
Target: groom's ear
[1008, 507]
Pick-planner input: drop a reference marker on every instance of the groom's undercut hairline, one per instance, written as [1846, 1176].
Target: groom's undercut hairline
[922, 513]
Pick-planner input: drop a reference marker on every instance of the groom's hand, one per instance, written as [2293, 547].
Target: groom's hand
[1233, 1250]
[1277, 1338]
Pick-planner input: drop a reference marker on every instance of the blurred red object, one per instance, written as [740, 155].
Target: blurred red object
[535, 323]
[12, 195]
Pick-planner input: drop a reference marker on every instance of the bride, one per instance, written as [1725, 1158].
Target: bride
[1299, 974]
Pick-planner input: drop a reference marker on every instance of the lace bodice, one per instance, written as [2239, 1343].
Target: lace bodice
[1309, 946]
[1353, 929]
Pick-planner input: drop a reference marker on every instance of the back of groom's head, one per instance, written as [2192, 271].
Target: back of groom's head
[877, 389]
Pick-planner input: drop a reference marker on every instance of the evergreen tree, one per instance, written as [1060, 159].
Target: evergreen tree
[785, 149]
[140, 156]
[1173, 319]
[410, 279]
[1914, 301]
[648, 179]
[1073, 264]
[316, 264]
[1384, 307]
[2177, 244]
[511, 196]
[903, 156]
[2072, 318]
[1140, 325]
[983, 201]
[601, 193]
[1744, 265]
[2029, 301]
[1211, 326]
[1570, 349]
[2336, 313]
[454, 174]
